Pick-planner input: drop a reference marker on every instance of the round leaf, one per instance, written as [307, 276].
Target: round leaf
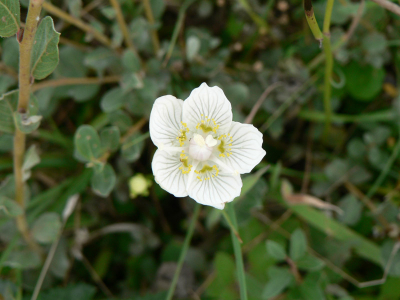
[46, 228]
[87, 142]
[363, 82]
[103, 181]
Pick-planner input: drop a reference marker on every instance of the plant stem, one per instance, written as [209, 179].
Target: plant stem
[177, 28]
[25, 49]
[238, 254]
[184, 250]
[150, 18]
[75, 81]
[328, 66]
[54, 10]
[378, 116]
[123, 26]
[231, 226]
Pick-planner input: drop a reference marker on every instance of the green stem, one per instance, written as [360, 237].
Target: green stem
[184, 250]
[371, 192]
[25, 49]
[177, 28]
[379, 116]
[238, 254]
[231, 226]
[312, 21]
[326, 42]
[328, 66]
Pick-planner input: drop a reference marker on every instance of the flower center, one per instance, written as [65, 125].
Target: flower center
[200, 148]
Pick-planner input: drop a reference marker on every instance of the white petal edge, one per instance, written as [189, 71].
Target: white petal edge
[165, 120]
[167, 174]
[217, 190]
[247, 151]
[210, 102]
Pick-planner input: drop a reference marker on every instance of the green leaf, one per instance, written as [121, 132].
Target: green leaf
[8, 104]
[10, 207]
[275, 250]
[112, 100]
[45, 49]
[110, 138]
[31, 159]
[310, 289]
[362, 246]
[130, 61]
[103, 182]
[100, 59]
[298, 244]
[131, 81]
[279, 280]
[352, 209]
[23, 259]
[79, 291]
[363, 82]
[192, 47]
[75, 7]
[309, 263]
[30, 121]
[26, 123]
[9, 17]
[133, 146]
[46, 227]
[87, 143]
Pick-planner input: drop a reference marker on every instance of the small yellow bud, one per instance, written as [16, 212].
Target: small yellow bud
[138, 185]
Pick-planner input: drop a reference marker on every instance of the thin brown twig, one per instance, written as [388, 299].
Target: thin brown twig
[210, 278]
[10, 71]
[123, 26]
[150, 18]
[96, 278]
[74, 44]
[50, 8]
[355, 21]
[133, 129]
[260, 101]
[74, 81]
[294, 270]
[368, 203]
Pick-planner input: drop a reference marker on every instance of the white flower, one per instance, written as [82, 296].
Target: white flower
[201, 151]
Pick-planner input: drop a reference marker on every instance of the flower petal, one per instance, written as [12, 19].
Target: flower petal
[241, 149]
[165, 120]
[214, 188]
[167, 172]
[210, 105]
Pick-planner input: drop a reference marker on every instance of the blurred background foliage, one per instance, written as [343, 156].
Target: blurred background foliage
[126, 233]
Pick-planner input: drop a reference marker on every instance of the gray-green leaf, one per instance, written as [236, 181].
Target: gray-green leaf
[87, 142]
[31, 159]
[9, 17]
[110, 138]
[45, 49]
[103, 181]
[298, 244]
[279, 279]
[275, 250]
[46, 228]
[8, 104]
[10, 207]
[26, 123]
[133, 146]
[112, 100]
